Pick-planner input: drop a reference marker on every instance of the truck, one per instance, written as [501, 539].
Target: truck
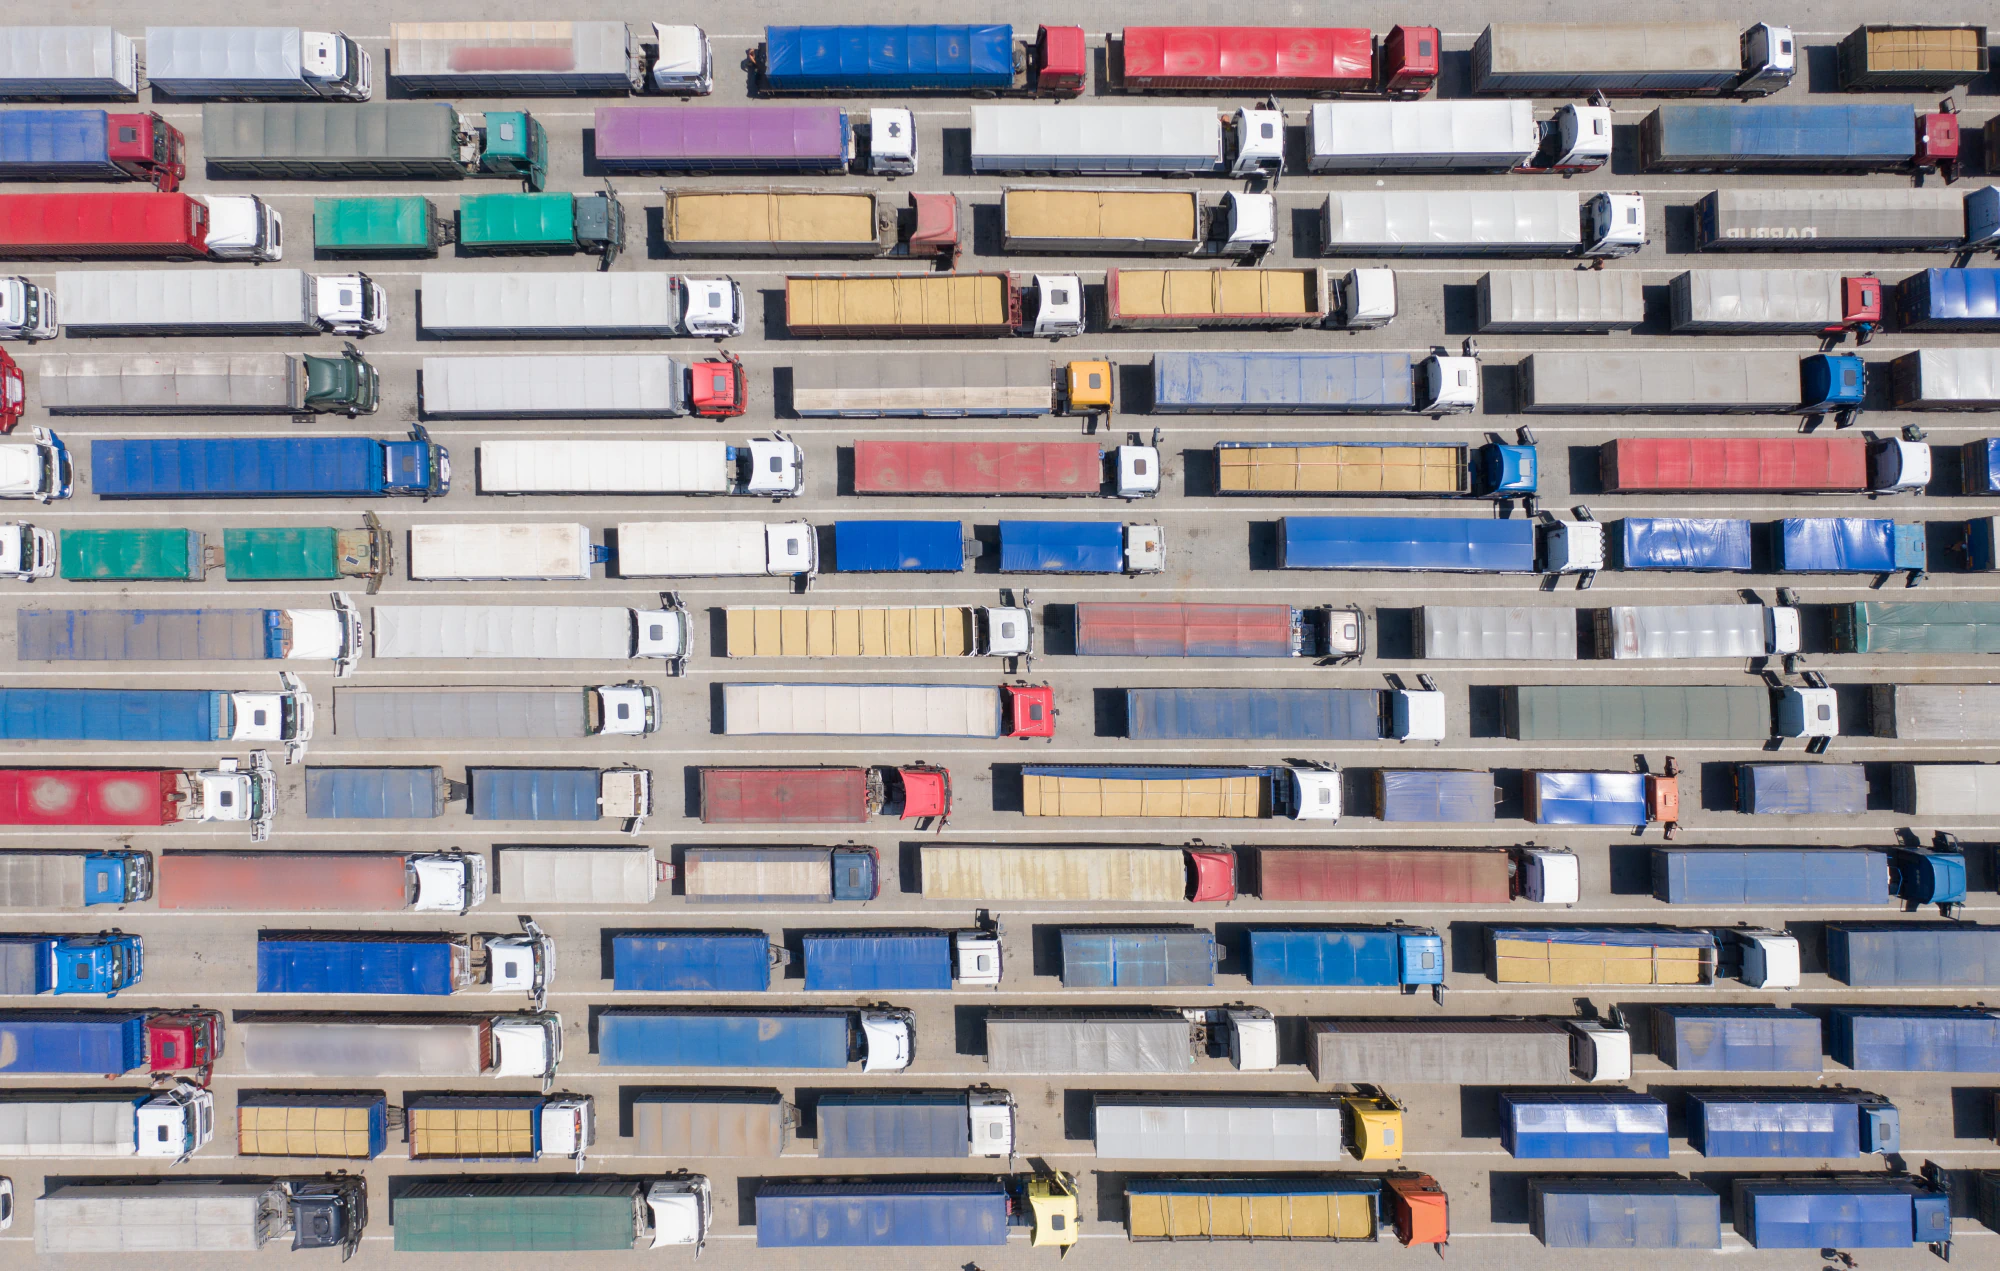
[1939, 626]
[582, 385]
[1346, 957]
[1434, 795]
[1636, 799]
[157, 715]
[562, 794]
[209, 384]
[1081, 547]
[1199, 299]
[1141, 958]
[551, 223]
[812, 139]
[1549, 301]
[551, 551]
[570, 305]
[1902, 954]
[1848, 545]
[173, 1122]
[779, 875]
[925, 306]
[288, 141]
[591, 875]
[1134, 875]
[1121, 140]
[37, 878]
[143, 797]
[209, 302]
[984, 60]
[855, 631]
[1464, 1051]
[309, 553]
[1141, 1040]
[188, 635]
[134, 555]
[117, 225]
[379, 225]
[711, 1121]
[1482, 222]
[812, 223]
[1934, 712]
[1767, 465]
[1583, 1125]
[867, 1213]
[1819, 302]
[1311, 383]
[1320, 61]
[1708, 382]
[694, 962]
[1289, 791]
[1137, 222]
[883, 1039]
[894, 961]
[1949, 300]
[1914, 1038]
[1736, 1038]
[1911, 58]
[35, 465]
[569, 714]
[1378, 469]
[1643, 59]
[270, 467]
[27, 312]
[1626, 1212]
[1941, 789]
[1315, 1129]
[1165, 629]
[716, 549]
[534, 59]
[1430, 875]
[1831, 137]
[448, 882]
[823, 796]
[943, 385]
[522, 1045]
[1945, 379]
[110, 1043]
[1631, 632]
[1658, 712]
[191, 62]
[529, 1213]
[772, 467]
[404, 963]
[118, 1216]
[1532, 633]
[1792, 1122]
[888, 1125]
[87, 144]
[1860, 1211]
[1410, 543]
[1353, 1207]
[31, 965]
[57, 62]
[889, 710]
[596, 633]
[1457, 136]
[1044, 469]
[345, 1126]
[506, 1127]
[1850, 219]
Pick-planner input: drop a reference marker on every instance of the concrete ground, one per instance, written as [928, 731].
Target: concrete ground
[1219, 550]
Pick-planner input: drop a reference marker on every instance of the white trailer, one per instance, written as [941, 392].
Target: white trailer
[1514, 633]
[772, 468]
[1695, 631]
[67, 61]
[1944, 789]
[541, 58]
[256, 62]
[555, 386]
[597, 633]
[564, 714]
[1075, 140]
[499, 553]
[862, 710]
[572, 305]
[1554, 59]
[1482, 223]
[1560, 300]
[1946, 379]
[1849, 219]
[1721, 301]
[628, 875]
[716, 549]
[219, 302]
[1457, 136]
[1708, 381]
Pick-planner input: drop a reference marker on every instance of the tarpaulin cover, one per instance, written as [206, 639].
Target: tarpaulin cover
[1385, 875]
[109, 714]
[1352, 957]
[388, 966]
[1839, 544]
[535, 794]
[1980, 463]
[889, 1125]
[784, 796]
[1770, 876]
[693, 962]
[888, 58]
[1589, 1125]
[635, 1038]
[1589, 798]
[898, 546]
[1137, 959]
[1875, 954]
[1652, 712]
[1736, 1039]
[1949, 299]
[183, 467]
[1843, 130]
[1428, 794]
[1062, 547]
[1822, 1213]
[864, 963]
[1914, 1038]
[1781, 1122]
[1452, 544]
[635, 137]
[834, 1215]
[1032, 1043]
[1112, 628]
[1253, 714]
[74, 1042]
[41, 137]
[1795, 789]
[1936, 626]
[1733, 465]
[1542, 633]
[1667, 543]
[1624, 1213]
[710, 1122]
[374, 793]
[1231, 382]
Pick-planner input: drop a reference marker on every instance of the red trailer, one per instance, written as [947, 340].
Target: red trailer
[363, 882]
[1731, 465]
[91, 796]
[1171, 630]
[1048, 468]
[1322, 61]
[822, 796]
[1447, 876]
[103, 223]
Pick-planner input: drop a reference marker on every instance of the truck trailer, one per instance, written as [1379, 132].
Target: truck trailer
[1549, 301]
[571, 305]
[211, 302]
[42, 879]
[1583, 1125]
[156, 715]
[1045, 469]
[1645, 59]
[1150, 958]
[58, 62]
[1851, 219]
[87, 145]
[1454, 544]
[193, 62]
[1626, 1212]
[372, 141]
[209, 384]
[1310, 1129]
[346, 881]
[1200, 299]
[270, 467]
[1945, 379]
[594, 875]
[1133, 875]
[888, 710]
[119, 1216]
[582, 385]
[531, 59]
[1914, 1038]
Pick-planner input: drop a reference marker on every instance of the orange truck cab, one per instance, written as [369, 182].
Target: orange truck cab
[1417, 1207]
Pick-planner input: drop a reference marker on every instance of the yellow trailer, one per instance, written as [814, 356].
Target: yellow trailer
[1186, 299]
[1600, 955]
[1249, 1210]
[858, 305]
[1046, 794]
[926, 631]
[774, 223]
[1340, 468]
[1101, 220]
[1137, 874]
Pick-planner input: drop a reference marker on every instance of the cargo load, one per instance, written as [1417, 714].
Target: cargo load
[1839, 789]
[344, 1126]
[749, 1124]
[1559, 300]
[809, 223]
[1102, 958]
[983, 60]
[1908, 954]
[1533, 633]
[1219, 1127]
[1693, 544]
[1452, 544]
[1911, 58]
[1939, 626]
[1844, 545]
[936, 386]
[1194, 299]
[610, 875]
[68, 61]
[1133, 875]
[1411, 1206]
[1600, 955]
[1935, 712]
[901, 631]
[1139, 1041]
[696, 962]
[388, 225]
[779, 875]
[1945, 379]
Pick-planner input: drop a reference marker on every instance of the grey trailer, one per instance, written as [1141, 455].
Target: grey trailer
[1219, 1127]
[56, 62]
[745, 1124]
[1548, 301]
[1439, 1051]
[1517, 633]
[1030, 1042]
[1935, 712]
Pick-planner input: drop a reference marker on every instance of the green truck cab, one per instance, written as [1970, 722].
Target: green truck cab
[390, 225]
[541, 224]
[140, 555]
[341, 385]
[309, 553]
[506, 143]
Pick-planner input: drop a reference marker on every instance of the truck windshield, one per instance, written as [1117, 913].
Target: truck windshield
[31, 308]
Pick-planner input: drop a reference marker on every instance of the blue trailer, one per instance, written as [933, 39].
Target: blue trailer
[1436, 795]
[1979, 466]
[378, 793]
[1848, 545]
[1949, 300]
[35, 879]
[535, 794]
[886, 59]
[1725, 876]
[1821, 137]
[1274, 382]
[1832, 1211]
[1589, 1125]
[898, 547]
[1678, 543]
[1914, 1038]
[1159, 957]
[1346, 957]
[1786, 1122]
[1443, 544]
[1736, 1039]
[862, 1212]
[269, 467]
[151, 715]
[692, 962]
[629, 1037]
[1801, 789]
[403, 963]
[1254, 714]
[1624, 1213]
[1081, 547]
[73, 1043]
[910, 1124]
[876, 961]
[1913, 954]
[103, 963]
[188, 635]
[1585, 798]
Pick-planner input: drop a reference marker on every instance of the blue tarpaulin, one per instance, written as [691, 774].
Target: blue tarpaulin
[1588, 798]
[374, 793]
[1669, 543]
[1770, 876]
[1838, 1213]
[1346, 957]
[79, 1043]
[1265, 383]
[936, 547]
[1980, 462]
[857, 963]
[1820, 1124]
[692, 962]
[1914, 1038]
[1431, 794]
[1624, 1213]
[1736, 1038]
[835, 1215]
[1442, 543]
[535, 794]
[1847, 545]
[1913, 955]
[1253, 714]
[253, 467]
[1795, 789]
[628, 1037]
[110, 714]
[372, 966]
[883, 1125]
[1589, 1125]
[44, 139]
[888, 58]
[1062, 547]
[1878, 134]
[1949, 300]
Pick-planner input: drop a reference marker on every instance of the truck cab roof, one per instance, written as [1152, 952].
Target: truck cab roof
[682, 59]
[319, 634]
[1549, 877]
[1600, 1052]
[627, 710]
[527, 1046]
[776, 467]
[1138, 471]
[891, 1041]
[235, 222]
[1009, 633]
[1417, 714]
[24, 468]
[679, 1209]
[258, 717]
[711, 306]
[448, 882]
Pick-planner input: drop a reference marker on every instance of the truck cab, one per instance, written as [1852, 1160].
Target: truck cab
[1416, 714]
[662, 633]
[622, 710]
[991, 1116]
[1831, 382]
[148, 148]
[1896, 465]
[1599, 1052]
[505, 143]
[446, 882]
[1145, 549]
[282, 716]
[529, 1045]
[892, 142]
[888, 1039]
[1307, 794]
[710, 307]
[1365, 299]
[679, 1210]
[1245, 225]
[350, 304]
[1138, 474]
[523, 963]
[1050, 1199]
[1782, 633]
[335, 66]
[1928, 878]
[1613, 225]
[227, 792]
[1374, 1125]
[1546, 876]
[27, 552]
[1761, 958]
[1085, 388]
[99, 964]
[566, 1125]
[1572, 547]
[1058, 306]
[1575, 139]
[1253, 1037]
[683, 61]
[176, 1123]
[183, 1041]
[27, 311]
[716, 388]
[1004, 632]
[1811, 711]
[244, 227]
[345, 384]
[976, 958]
[1450, 386]
[36, 467]
[1770, 59]
[1260, 143]
[1030, 710]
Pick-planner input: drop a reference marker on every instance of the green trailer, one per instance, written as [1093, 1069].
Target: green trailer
[308, 553]
[152, 555]
[541, 225]
[1653, 712]
[1922, 626]
[404, 225]
[546, 1214]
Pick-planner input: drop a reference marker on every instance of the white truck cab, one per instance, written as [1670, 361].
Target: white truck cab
[892, 142]
[1058, 306]
[1613, 225]
[1260, 143]
[27, 310]
[1253, 1038]
[324, 635]
[568, 1125]
[710, 306]
[683, 60]
[1250, 224]
[244, 227]
[447, 882]
[1145, 549]
[285, 716]
[35, 465]
[520, 963]
[663, 633]
[350, 304]
[1365, 299]
[1781, 630]
[976, 958]
[1138, 471]
[1770, 59]
[1896, 465]
[1599, 1052]
[1010, 633]
[1448, 385]
[1811, 711]
[27, 552]
[229, 792]
[1573, 547]
[1315, 792]
[889, 1038]
[528, 1045]
[717, 549]
[679, 1209]
[1416, 714]
[1764, 959]
[992, 1122]
[624, 710]
[1575, 139]
[336, 66]
[176, 1123]
[777, 467]
[1546, 876]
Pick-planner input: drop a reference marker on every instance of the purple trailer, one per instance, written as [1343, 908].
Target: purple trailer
[698, 139]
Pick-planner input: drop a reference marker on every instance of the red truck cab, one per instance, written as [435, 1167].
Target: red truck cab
[149, 148]
[13, 393]
[1406, 66]
[933, 227]
[926, 791]
[1937, 142]
[1031, 710]
[1211, 875]
[1059, 61]
[1860, 304]
[184, 1041]
[716, 387]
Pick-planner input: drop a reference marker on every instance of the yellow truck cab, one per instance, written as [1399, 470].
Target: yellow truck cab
[1052, 1204]
[1374, 1125]
[1084, 388]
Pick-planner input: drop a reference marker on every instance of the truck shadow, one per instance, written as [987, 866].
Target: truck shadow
[1108, 713]
[1308, 224]
[1479, 1111]
[1485, 717]
[968, 1025]
[989, 236]
[656, 232]
[1972, 1112]
[1509, 804]
[1499, 389]
[1454, 73]
[591, 167]
[1467, 941]
[1461, 308]
[1625, 150]
[1079, 1114]
[955, 153]
[1135, 391]
[1200, 475]
[1008, 795]
[774, 314]
[783, 404]
[1820, 64]
[1631, 869]
[1508, 1201]
[1584, 476]
[843, 470]
[715, 712]
[1262, 545]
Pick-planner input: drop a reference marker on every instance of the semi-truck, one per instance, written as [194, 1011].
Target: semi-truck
[1109, 628]
[1283, 714]
[1821, 137]
[582, 386]
[157, 715]
[568, 714]
[1411, 1206]
[716, 549]
[981, 59]
[173, 1122]
[1914, 1038]
[1312, 383]
[823, 796]
[1844, 545]
[64, 965]
[1548, 301]
[1792, 1122]
[189, 635]
[42, 879]
[813, 139]
[88, 145]
[1123, 140]
[571, 305]
[1081, 547]
[110, 1043]
[926, 306]
[117, 1216]
[594, 875]
[347, 881]
[771, 467]
[1647, 59]
[882, 1039]
[889, 710]
[539, 59]
[1131, 875]
[887, 1125]
[1457, 136]
[519, 1127]
[523, 1045]
[143, 797]
[1771, 465]
[552, 223]
[1320, 61]
[208, 384]
[535, 1213]
[1746, 301]
[779, 875]
[855, 631]
[811, 223]
[876, 1213]
[270, 467]
[1709, 382]
[1861, 1211]
[120, 226]
[56, 62]
[1463, 1051]
[1287, 791]
[544, 551]
[1371, 469]
[1628, 632]
[1850, 219]
[404, 963]
[597, 633]
[1153, 957]
[209, 302]
[1136, 1041]
[1137, 222]
[369, 142]
[1482, 223]
[1910, 58]
[1045, 469]
[191, 62]
[1197, 299]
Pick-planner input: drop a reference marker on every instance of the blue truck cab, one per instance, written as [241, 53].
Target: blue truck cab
[1831, 382]
[1506, 469]
[1921, 878]
[103, 964]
